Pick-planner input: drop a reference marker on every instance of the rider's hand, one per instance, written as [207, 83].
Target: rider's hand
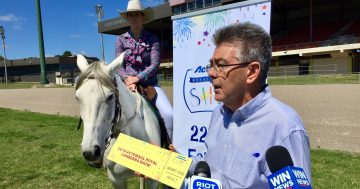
[172, 148]
[131, 80]
[140, 175]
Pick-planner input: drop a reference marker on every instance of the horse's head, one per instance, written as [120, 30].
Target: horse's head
[96, 92]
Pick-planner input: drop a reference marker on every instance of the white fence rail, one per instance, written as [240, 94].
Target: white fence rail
[303, 70]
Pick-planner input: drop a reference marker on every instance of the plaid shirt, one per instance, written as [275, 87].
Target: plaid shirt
[142, 58]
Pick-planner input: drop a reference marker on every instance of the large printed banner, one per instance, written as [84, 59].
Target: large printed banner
[192, 49]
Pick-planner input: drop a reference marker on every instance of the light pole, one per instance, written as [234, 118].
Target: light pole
[100, 14]
[2, 33]
[43, 77]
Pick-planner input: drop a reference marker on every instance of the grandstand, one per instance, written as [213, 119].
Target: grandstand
[315, 37]
[309, 36]
[28, 69]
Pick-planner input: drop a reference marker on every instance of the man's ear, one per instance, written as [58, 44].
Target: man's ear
[254, 72]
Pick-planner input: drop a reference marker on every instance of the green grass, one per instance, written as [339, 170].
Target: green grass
[21, 85]
[166, 83]
[315, 79]
[16, 85]
[304, 79]
[334, 169]
[43, 151]
[272, 80]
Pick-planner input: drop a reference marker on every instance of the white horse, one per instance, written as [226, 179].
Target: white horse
[108, 108]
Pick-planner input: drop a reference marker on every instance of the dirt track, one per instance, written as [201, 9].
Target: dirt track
[331, 113]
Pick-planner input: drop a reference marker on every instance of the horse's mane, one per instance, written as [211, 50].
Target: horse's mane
[95, 71]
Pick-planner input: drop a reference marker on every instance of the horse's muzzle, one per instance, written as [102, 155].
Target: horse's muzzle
[92, 155]
[96, 164]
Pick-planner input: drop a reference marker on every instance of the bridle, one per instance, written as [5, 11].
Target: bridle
[116, 118]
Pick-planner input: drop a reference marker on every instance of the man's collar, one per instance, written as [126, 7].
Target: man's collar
[248, 109]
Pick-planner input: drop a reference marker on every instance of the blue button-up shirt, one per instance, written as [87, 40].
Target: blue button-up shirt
[237, 141]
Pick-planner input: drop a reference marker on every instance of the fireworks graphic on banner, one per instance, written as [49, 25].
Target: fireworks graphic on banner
[215, 20]
[204, 37]
[182, 29]
[264, 7]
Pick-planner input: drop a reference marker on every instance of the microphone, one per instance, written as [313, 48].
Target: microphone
[202, 169]
[202, 178]
[284, 174]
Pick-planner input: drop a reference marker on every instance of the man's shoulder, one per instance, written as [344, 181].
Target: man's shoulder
[281, 108]
[285, 114]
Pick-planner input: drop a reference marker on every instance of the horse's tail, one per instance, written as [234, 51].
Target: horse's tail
[165, 138]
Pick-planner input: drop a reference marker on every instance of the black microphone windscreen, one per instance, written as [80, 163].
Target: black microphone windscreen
[202, 169]
[278, 157]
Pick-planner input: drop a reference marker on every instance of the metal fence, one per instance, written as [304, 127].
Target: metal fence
[350, 78]
[342, 40]
[302, 70]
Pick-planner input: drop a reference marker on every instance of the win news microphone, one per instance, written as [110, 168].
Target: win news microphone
[202, 178]
[284, 174]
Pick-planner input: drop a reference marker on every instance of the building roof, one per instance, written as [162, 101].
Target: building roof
[48, 60]
[281, 9]
[118, 25]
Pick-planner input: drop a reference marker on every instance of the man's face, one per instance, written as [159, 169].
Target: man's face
[229, 82]
[135, 19]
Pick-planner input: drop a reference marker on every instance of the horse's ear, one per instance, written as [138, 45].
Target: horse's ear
[114, 66]
[82, 63]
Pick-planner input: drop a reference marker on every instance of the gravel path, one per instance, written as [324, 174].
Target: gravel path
[331, 113]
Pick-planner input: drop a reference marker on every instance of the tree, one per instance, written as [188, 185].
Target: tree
[67, 53]
[1, 57]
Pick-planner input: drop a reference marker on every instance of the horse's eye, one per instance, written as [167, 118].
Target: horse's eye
[77, 98]
[109, 98]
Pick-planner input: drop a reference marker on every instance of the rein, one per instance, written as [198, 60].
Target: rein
[117, 116]
[115, 134]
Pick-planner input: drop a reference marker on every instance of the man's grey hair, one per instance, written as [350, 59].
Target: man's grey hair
[253, 41]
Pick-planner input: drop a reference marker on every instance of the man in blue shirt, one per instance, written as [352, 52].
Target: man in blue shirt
[249, 119]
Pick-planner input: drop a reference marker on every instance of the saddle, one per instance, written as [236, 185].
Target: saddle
[148, 92]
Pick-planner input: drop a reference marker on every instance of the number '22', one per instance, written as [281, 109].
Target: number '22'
[194, 136]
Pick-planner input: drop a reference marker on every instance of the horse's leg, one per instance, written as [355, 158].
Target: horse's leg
[142, 182]
[152, 184]
[116, 173]
[117, 182]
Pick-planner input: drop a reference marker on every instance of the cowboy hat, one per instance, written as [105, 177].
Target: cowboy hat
[136, 6]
